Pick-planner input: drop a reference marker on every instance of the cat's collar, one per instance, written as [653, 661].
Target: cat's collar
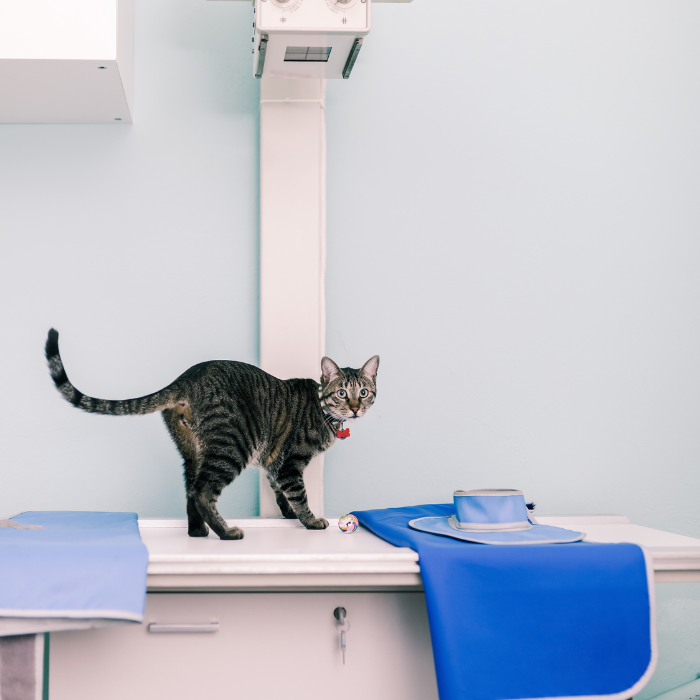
[333, 422]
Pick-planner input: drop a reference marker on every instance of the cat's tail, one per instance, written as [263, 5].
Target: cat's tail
[129, 407]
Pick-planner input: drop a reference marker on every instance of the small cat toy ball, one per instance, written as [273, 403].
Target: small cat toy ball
[348, 523]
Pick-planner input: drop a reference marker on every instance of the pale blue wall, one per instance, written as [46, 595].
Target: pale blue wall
[514, 226]
[140, 244]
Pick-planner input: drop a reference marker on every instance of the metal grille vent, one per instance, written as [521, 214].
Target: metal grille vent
[318, 54]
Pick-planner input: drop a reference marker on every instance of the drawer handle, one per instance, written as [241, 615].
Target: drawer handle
[158, 628]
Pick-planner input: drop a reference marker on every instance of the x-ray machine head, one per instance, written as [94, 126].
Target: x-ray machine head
[308, 38]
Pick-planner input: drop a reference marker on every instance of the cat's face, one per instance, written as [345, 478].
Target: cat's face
[348, 392]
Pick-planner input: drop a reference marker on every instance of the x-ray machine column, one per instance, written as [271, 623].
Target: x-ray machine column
[293, 245]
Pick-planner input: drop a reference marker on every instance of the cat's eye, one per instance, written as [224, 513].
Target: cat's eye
[341, 393]
[363, 393]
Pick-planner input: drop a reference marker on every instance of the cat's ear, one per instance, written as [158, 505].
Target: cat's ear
[330, 370]
[369, 369]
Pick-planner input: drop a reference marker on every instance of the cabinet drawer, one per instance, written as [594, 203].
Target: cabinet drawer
[265, 645]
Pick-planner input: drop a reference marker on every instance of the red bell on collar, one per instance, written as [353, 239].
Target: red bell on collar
[342, 434]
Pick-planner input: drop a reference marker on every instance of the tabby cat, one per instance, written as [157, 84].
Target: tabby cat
[225, 416]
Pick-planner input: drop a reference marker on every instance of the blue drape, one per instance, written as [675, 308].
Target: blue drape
[536, 621]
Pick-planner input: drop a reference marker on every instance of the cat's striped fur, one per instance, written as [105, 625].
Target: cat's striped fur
[225, 416]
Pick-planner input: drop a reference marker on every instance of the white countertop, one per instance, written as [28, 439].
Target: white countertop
[275, 554]
[278, 554]
[676, 557]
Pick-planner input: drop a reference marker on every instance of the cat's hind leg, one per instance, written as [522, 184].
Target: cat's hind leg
[290, 479]
[282, 502]
[196, 527]
[216, 471]
[178, 422]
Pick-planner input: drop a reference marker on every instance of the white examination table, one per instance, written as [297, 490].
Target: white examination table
[253, 619]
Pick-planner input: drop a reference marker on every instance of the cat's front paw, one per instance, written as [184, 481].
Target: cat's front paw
[287, 511]
[316, 524]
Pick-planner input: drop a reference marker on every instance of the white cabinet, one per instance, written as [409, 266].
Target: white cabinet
[66, 61]
[273, 595]
[267, 645]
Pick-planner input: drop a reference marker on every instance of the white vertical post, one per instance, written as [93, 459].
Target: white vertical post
[293, 245]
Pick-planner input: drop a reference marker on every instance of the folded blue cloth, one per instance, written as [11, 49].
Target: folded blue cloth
[542, 621]
[79, 565]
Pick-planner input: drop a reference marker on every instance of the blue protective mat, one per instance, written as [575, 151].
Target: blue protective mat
[543, 621]
[82, 565]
